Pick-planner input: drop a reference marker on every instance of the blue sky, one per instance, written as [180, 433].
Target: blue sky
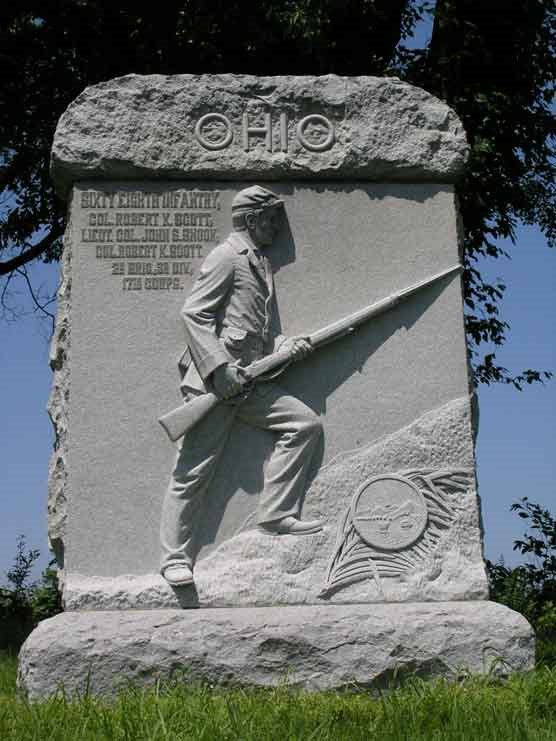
[517, 434]
[516, 447]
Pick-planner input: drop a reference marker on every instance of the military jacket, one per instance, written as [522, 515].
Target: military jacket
[231, 314]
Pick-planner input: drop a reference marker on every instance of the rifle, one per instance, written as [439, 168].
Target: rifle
[180, 420]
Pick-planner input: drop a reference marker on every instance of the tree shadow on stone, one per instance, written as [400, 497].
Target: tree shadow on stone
[187, 596]
[282, 252]
[329, 367]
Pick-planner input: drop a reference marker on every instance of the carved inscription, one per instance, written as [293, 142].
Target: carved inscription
[215, 131]
[150, 240]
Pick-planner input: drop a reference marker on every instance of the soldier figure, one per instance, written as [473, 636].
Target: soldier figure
[231, 320]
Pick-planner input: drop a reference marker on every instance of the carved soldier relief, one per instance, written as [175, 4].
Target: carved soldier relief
[235, 352]
[231, 324]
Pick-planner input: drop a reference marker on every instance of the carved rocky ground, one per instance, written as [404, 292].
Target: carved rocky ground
[253, 568]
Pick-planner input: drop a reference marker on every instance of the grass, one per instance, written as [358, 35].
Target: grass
[8, 670]
[482, 709]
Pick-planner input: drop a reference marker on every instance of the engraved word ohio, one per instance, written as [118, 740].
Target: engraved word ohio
[313, 132]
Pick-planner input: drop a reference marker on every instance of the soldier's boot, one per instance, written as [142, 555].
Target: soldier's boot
[178, 575]
[292, 526]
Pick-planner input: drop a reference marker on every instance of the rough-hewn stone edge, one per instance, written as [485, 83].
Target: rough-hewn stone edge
[58, 407]
[316, 648]
[67, 168]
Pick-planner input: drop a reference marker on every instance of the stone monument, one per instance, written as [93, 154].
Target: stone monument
[261, 301]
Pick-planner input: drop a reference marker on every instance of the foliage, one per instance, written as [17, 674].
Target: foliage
[8, 672]
[495, 64]
[24, 603]
[521, 709]
[530, 588]
[16, 611]
[47, 598]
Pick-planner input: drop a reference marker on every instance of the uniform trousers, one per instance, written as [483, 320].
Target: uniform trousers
[297, 430]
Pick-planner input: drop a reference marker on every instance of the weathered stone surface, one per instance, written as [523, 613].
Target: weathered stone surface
[144, 127]
[254, 568]
[326, 647]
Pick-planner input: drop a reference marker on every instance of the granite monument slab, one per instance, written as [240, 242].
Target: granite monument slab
[261, 397]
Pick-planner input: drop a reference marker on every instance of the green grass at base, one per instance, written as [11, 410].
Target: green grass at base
[522, 708]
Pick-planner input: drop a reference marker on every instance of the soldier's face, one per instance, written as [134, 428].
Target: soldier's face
[266, 226]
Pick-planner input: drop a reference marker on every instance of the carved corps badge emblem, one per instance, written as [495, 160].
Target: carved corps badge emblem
[389, 512]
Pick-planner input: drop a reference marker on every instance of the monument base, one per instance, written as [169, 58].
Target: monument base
[314, 647]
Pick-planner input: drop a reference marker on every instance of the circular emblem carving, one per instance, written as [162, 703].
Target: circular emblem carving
[389, 512]
[315, 133]
[214, 131]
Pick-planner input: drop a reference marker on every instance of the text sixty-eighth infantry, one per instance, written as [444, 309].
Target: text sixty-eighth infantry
[139, 199]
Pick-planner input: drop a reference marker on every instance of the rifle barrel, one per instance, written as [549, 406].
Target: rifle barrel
[348, 323]
[180, 420]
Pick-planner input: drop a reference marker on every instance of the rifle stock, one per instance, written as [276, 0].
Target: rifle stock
[177, 422]
[180, 420]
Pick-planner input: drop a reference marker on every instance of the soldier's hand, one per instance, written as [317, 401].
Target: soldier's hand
[298, 347]
[226, 381]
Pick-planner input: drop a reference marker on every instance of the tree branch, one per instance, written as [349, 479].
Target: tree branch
[33, 252]
[6, 309]
[38, 305]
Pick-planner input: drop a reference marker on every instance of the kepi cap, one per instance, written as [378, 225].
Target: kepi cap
[254, 198]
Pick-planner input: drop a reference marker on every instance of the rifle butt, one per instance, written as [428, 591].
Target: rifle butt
[182, 419]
